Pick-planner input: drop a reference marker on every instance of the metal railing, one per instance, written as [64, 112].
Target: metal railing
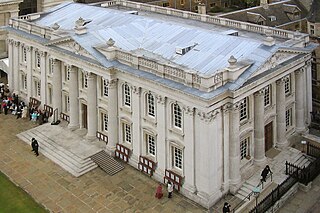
[102, 137]
[65, 117]
[313, 150]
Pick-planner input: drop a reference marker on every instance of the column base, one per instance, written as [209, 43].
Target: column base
[301, 129]
[260, 162]
[235, 186]
[73, 127]
[282, 144]
[110, 150]
[91, 137]
[190, 188]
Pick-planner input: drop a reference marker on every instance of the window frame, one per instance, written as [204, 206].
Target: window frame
[150, 105]
[38, 59]
[177, 116]
[105, 88]
[287, 85]
[289, 118]
[245, 149]
[104, 121]
[151, 145]
[244, 110]
[267, 96]
[127, 133]
[175, 158]
[126, 95]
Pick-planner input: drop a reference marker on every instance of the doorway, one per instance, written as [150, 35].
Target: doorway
[84, 116]
[268, 136]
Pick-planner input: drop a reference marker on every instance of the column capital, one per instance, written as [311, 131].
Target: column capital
[161, 99]
[28, 48]
[281, 81]
[112, 83]
[42, 53]
[208, 117]
[308, 63]
[90, 75]
[136, 90]
[16, 43]
[188, 110]
[259, 93]
[226, 107]
[299, 71]
[10, 41]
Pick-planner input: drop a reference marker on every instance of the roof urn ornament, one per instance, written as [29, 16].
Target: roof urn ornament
[232, 61]
[80, 22]
[110, 42]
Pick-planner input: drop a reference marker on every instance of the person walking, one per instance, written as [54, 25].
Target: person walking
[265, 173]
[35, 147]
[170, 189]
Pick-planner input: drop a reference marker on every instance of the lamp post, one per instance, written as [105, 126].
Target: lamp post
[303, 143]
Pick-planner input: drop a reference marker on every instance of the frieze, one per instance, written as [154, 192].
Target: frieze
[136, 90]
[161, 99]
[208, 117]
[188, 110]
[112, 83]
[16, 43]
[260, 92]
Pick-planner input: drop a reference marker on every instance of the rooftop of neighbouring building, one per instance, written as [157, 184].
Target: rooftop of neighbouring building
[314, 14]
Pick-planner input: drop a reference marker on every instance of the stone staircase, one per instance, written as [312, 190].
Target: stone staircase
[278, 167]
[68, 153]
[107, 163]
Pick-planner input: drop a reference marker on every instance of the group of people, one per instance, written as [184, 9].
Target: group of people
[159, 193]
[11, 105]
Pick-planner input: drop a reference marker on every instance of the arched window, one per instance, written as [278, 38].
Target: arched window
[177, 116]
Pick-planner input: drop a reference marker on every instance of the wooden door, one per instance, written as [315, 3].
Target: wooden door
[268, 136]
[84, 116]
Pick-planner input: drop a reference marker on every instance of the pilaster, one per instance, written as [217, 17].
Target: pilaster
[189, 152]
[161, 137]
[43, 78]
[309, 90]
[226, 136]
[16, 87]
[136, 122]
[11, 69]
[299, 84]
[29, 72]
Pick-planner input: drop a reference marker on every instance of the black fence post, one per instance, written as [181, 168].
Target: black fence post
[286, 167]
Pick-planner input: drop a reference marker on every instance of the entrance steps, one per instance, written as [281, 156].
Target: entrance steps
[278, 168]
[107, 163]
[63, 147]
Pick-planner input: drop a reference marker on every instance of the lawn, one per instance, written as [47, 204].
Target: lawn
[14, 200]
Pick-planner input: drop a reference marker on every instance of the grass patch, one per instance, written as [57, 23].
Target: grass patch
[14, 199]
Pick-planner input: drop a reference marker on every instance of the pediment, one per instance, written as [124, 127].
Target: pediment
[69, 44]
[273, 61]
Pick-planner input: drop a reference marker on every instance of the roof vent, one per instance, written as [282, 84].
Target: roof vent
[55, 26]
[134, 12]
[272, 18]
[80, 27]
[184, 50]
[231, 32]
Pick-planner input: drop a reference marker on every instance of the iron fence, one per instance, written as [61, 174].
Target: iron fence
[313, 150]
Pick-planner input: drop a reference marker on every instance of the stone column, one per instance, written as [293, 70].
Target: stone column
[136, 132]
[189, 151]
[92, 106]
[309, 90]
[43, 81]
[73, 97]
[161, 137]
[299, 85]
[16, 79]
[29, 72]
[113, 134]
[259, 144]
[11, 69]
[57, 86]
[226, 135]
[234, 149]
[281, 114]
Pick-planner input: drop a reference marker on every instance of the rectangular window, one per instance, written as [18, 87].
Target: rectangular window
[244, 148]
[151, 145]
[127, 132]
[177, 157]
[288, 118]
[244, 109]
[104, 122]
[105, 89]
[50, 94]
[37, 59]
[38, 88]
[24, 81]
[51, 66]
[67, 103]
[66, 74]
[177, 116]
[267, 96]
[287, 85]
[84, 80]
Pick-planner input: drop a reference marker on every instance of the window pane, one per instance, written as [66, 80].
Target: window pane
[177, 116]
[127, 97]
[177, 158]
[150, 104]
[151, 145]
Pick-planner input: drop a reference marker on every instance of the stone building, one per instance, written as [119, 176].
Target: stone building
[35, 6]
[314, 32]
[189, 100]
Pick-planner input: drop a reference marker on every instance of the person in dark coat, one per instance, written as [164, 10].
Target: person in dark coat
[36, 147]
[226, 207]
[265, 173]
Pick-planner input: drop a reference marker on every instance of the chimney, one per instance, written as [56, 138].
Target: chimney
[264, 4]
[202, 9]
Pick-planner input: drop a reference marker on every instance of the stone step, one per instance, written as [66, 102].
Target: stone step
[69, 156]
[67, 160]
[107, 163]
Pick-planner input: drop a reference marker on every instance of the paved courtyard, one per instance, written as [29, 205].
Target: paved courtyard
[58, 191]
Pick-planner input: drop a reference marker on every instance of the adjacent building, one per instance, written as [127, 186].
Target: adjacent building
[185, 97]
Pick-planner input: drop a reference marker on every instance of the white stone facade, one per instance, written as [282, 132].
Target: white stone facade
[210, 142]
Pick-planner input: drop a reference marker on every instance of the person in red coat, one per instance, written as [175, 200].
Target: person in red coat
[159, 193]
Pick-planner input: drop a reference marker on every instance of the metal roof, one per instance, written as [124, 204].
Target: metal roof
[156, 38]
